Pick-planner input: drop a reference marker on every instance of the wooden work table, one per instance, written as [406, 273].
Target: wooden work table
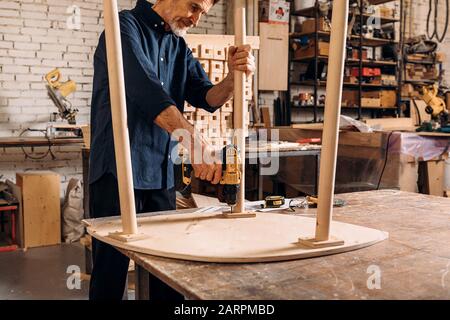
[414, 261]
[11, 142]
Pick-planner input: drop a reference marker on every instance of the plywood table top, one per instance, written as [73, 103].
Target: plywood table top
[414, 263]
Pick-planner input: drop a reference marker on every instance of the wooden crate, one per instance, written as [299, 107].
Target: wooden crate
[216, 67]
[206, 51]
[219, 53]
[41, 208]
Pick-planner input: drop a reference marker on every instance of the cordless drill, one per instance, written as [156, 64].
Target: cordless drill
[229, 183]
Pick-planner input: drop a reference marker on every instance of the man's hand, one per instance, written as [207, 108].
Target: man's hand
[206, 162]
[240, 58]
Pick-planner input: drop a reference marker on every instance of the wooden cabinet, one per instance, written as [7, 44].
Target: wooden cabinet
[41, 208]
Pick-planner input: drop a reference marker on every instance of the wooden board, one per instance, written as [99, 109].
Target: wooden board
[412, 262]
[40, 208]
[209, 237]
[273, 56]
[404, 124]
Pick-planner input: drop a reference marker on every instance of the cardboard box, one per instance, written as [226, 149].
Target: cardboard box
[350, 97]
[370, 102]
[274, 11]
[309, 50]
[388, 98]
[309, 26]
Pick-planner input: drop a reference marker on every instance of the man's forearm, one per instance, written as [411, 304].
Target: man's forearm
[172, 120]
[221, 92]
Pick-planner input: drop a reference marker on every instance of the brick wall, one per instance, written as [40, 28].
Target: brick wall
[37, 36]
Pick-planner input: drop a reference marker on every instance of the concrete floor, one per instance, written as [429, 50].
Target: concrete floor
[41, 273]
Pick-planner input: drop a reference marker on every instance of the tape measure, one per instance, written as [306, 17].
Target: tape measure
[273, 202]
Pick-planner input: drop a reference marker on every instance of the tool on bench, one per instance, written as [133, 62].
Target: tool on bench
[58, 92]
[231, 176]
[436, 108]
[273, 202]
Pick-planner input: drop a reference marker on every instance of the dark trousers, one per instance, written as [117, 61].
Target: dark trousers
[110, 267]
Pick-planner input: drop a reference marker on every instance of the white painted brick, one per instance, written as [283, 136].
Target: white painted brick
[15, 69]
[35, 93]
[54, 63]
[37, 110]
[10, 30]
[11, 22]
[40, 70]
[27, 61]
[20, 102]
[34, 7]
[6, 60]
[48, 54]
[33, 15]
[80, 64]
[33, 31]
[37, 23]
[13, 37]
[6, 77]
[10, 93]
[42, 39]
[21, 53]
[79, 49]
[75, 56]
[24, 118]
[27, 46]
[69, 40]
[61, 32]
[91, 42]
[4, 4]
[28, 78]
[54, 47]
[6, 44]
[58, 17]
[9, 13]
[38, 86]
[91, 20]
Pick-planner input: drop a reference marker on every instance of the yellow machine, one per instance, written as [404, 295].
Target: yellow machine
[437, 108]
[58, 92]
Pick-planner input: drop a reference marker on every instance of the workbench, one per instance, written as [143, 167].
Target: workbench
[414, 263]
[12, 142]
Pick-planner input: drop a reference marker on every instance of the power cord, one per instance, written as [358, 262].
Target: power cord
[435, 33]
[49, 150]
[385, 160]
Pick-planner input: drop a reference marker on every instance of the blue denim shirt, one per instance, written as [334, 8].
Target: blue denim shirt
[159, 71]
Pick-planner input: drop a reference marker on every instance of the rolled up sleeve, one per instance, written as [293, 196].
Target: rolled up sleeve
[197, 84]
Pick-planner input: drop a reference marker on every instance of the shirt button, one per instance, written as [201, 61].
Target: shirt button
[162, 59]
[156, 25]
[162, 23]
[162, 83]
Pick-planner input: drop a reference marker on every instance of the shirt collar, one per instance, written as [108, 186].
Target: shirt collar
[152, 19]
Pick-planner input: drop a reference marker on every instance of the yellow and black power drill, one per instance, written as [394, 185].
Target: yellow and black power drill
[231, 176]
